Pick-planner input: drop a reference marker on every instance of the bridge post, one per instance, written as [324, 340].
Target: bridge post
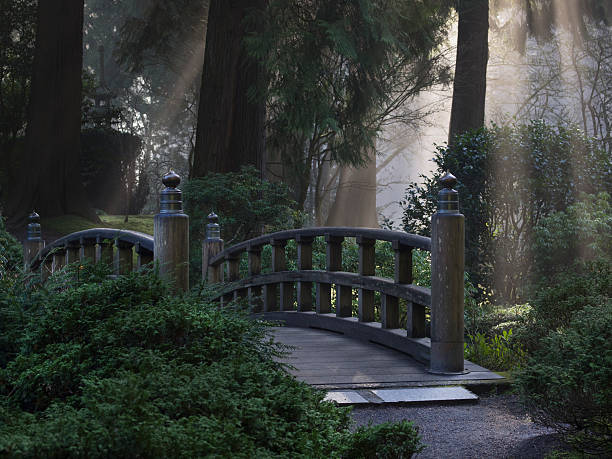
[304, 261]
[212, 245]
[447, 281]
[33, 242]
[171, 234]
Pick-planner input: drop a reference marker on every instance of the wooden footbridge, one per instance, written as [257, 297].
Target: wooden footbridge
[336, 342]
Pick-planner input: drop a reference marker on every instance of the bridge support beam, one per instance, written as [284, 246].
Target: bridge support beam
[171, 235]
[447, 282]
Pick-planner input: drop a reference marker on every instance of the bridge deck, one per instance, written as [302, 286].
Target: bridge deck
[331, 360]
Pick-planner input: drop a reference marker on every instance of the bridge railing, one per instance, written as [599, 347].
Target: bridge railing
[287, 295]
[123, 249]
[288, 290]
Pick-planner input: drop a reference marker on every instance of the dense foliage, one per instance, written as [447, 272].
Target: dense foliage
[510, 178]
[11, 251]
[247, 207]
[121, 367]
[566, 383]
[582, 231]
[568, 330]
[336, 71]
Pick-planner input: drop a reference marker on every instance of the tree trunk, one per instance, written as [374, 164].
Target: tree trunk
[355, 203]
[230, 130]
[470, 83]
[48, 178]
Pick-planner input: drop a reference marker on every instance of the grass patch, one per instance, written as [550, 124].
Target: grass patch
[67, 224]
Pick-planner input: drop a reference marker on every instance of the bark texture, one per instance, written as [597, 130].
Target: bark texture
[355, 202]
[48, 176]
[469, 89]
[230, 130]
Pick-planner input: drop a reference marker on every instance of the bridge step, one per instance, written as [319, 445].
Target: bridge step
[408, 396]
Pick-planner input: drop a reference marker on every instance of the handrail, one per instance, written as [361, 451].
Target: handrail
[273, 295]
[79, 241]
[278, 294]
[406, 239]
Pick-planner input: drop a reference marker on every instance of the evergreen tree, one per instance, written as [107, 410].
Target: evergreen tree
[336, 72]
[48, 177]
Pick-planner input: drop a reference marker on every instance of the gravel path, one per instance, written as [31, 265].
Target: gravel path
[496, 427]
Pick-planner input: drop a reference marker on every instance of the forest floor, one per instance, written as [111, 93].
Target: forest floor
[496, 427]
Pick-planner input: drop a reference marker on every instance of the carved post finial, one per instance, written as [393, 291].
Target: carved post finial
[211, 246]
[171, 234]
[448, 198]
[33, 242]
[447, 284]
[33, 233]
[170, 198]
[213, 229]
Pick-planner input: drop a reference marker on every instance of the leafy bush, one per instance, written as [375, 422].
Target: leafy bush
[583, 231]
[385, 441]
[123, 368]
[509, 178]
[566, 384]
[499, 353]
[587, 284]
[11, 251]
[247, 207]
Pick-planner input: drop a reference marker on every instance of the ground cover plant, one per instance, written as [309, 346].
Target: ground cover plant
[123, 367]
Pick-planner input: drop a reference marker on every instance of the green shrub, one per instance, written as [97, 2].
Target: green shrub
[11, 251]
[509, 178]
[585, 284]
[385, 441]
[566, 384]
[247, 207]
[124, 368]
[499, 353]
[582, 232]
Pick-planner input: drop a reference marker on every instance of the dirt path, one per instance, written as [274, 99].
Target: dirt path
[496, 427]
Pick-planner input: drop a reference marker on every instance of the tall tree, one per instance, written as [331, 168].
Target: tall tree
[231, 120]
[48, 177]
[337, 71]
[470, 84]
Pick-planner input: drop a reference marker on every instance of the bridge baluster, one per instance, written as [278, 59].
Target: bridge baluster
[211, 246]
[143, 257]
[59, 259]
[46, 268]
[403, 263]
[304, 289]
[104, 251]
[87, 249]
[233, 274]
[415, 313]
[279, 263]
[367, 267]
[123, 262]
[254, 267]
[72, 251]
[333, 255]
[389, 316]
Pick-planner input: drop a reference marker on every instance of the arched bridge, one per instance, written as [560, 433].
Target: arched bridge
[348, 328]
